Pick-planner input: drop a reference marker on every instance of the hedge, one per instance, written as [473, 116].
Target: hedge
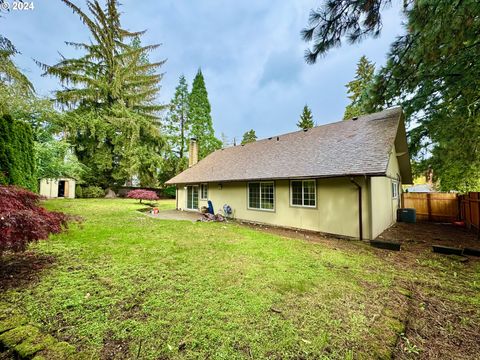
[93, 192]
[17, 158]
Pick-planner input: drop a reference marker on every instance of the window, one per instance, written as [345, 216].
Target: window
[303, 193]
[394, 189]
[261, 195]
[204, 191]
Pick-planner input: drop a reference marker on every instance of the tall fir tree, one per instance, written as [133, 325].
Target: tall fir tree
[306, 119]
[177, 126]
[201, 125]
[357, 89]
[111, 93]
[9, 72]
[249, 136]
[225, 140]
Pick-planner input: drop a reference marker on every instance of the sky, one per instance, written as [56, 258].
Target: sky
[250, 52]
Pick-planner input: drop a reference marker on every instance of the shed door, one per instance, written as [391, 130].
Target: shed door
[61, 188]
[66, 192]
[192, 197]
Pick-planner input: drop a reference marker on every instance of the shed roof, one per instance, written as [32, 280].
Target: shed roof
[345, 148]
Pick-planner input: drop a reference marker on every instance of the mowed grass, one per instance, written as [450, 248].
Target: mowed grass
[125, 285]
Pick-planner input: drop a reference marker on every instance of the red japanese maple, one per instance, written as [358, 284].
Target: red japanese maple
[142, 194]
[22, 220]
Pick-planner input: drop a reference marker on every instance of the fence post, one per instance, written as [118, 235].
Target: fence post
[470, 213]
[429, 206]
[478, 213]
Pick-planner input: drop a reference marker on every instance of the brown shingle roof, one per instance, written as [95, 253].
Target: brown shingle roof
[344, 148]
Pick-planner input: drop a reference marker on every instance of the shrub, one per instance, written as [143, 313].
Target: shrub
[170, 191]
[142, 194]
[22, 220]
[93, 192]
[78, 192]
[17, 160]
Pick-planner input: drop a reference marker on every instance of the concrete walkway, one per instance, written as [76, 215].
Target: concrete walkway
[177, 215]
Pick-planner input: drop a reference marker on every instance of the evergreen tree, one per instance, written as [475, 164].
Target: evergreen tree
[357, 89]
[111, 91]
[201, 125]
[225, 140]
[9, 73]
[17, 157]
[176, 127]
[432, 70]
[249, 137]
[306, 119]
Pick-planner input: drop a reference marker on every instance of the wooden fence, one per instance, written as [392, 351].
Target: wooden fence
[470, 210]
[442, 207]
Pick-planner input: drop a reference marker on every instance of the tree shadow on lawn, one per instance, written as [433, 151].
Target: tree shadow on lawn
[18, 270]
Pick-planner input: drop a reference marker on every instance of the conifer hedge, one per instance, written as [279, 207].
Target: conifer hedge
[17, 158]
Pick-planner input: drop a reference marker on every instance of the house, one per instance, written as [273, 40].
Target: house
[342, 178]
[58, 188]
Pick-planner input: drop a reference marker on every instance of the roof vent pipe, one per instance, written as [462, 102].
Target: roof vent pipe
[355, 118]
[278, 138]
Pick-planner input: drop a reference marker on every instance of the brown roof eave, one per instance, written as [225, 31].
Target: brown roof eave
[279, 178]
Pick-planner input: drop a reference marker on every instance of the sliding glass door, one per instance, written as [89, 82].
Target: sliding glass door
[192, 197]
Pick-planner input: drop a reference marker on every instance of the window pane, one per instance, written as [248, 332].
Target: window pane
[394, 189]
[189, 197]
[309, 193]
[296, 193]
[195, 197]
[254, 195]
[267, 196]
[204, 191]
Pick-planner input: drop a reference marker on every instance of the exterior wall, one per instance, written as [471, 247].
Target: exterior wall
[336, 211]
[49, 188]
[383, 205]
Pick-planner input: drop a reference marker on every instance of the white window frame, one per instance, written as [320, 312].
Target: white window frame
[260, 196]
[394, 189]
[203, 186]
[303, 193]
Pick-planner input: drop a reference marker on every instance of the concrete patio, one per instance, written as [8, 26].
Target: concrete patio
[176, 215]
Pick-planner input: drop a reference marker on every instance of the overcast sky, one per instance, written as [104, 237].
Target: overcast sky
[250, 52]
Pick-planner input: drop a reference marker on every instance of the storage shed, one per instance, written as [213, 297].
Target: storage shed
[58, 188]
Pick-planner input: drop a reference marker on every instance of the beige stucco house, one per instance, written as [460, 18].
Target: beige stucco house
[342, 178]
[58, 188]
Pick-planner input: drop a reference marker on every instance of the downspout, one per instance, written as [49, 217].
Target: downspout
[360, 215]
[176, 197]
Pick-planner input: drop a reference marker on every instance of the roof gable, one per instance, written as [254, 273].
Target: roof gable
[345, 148]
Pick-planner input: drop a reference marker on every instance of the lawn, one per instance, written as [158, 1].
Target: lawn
[127, 286]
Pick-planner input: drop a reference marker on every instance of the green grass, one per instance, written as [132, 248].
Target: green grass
[175, 289]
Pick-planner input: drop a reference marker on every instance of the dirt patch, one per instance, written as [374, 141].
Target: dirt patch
[114, 348]
[173, 214]
[21, 269]
[423, 235]
[438, 329]
[7, 354]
